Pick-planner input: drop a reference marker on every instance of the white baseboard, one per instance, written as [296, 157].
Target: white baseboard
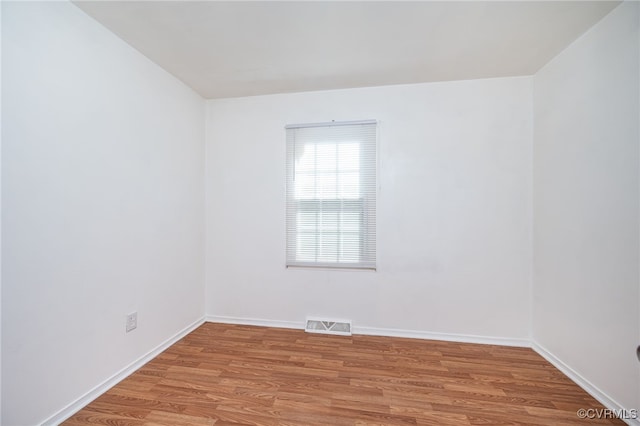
[255, 321]
[449, 337]
[585, 384]
[94, 393]
[373, 331]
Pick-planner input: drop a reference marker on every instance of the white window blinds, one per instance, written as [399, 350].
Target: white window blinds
[331, 195]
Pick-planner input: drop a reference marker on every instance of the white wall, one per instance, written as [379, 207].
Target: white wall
[454, 211]
[586, 187]
[103, 206]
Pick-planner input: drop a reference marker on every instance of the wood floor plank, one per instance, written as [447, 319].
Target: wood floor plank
[164, 418]
[223, 375]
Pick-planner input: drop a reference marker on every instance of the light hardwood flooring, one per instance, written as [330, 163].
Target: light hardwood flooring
[243, 375]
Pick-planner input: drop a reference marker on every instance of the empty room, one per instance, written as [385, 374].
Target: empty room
[320, 213]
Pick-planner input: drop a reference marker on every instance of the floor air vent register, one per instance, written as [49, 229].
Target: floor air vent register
[326, 326]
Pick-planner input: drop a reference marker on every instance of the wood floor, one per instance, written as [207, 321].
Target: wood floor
[241, 375]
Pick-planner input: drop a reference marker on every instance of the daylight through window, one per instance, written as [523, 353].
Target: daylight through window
[331, 195]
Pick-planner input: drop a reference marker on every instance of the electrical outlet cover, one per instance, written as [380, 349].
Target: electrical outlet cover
[132, 321]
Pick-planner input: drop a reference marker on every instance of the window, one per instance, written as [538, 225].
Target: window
[331, 195]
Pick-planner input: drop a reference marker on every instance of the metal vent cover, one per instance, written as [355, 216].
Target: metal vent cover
[328, 326]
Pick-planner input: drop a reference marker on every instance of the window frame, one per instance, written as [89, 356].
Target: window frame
[366, 235]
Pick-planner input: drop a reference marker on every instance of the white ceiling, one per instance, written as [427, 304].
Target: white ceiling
[241, 48]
